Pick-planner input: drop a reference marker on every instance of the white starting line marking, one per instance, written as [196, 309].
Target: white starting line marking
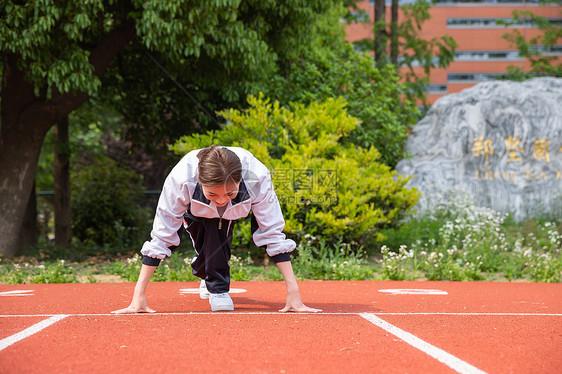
[17, 293]
[186, 291]
[279, 313]
[33, 329]
[412, 291]
[440, 355]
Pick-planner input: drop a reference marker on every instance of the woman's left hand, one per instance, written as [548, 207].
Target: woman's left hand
[295, 304]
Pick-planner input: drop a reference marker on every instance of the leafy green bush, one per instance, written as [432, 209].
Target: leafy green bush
[327, 186]
[106, 206]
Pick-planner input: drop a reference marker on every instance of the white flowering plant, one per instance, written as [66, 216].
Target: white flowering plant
[467, 242]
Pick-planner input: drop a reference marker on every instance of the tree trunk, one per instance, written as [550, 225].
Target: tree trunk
[63, 219]
[18, 161]
[24, 122]
[394, 33]
[29, 230]
[380, 32]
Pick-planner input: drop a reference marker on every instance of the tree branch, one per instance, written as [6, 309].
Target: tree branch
[51, 111]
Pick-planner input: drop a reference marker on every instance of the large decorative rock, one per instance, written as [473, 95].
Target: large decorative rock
[499, 142]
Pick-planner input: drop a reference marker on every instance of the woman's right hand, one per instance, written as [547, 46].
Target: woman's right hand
[139, 304]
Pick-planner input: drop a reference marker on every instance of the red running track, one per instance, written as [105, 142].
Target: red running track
[490, 327]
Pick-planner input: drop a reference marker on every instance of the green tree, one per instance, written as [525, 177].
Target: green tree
[409, 50]
[330, 67]
[162, 100]
[416, 51]
[380, 34]
[535, 49]
[55, 56]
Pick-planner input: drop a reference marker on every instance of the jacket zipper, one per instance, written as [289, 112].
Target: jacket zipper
[220, 217]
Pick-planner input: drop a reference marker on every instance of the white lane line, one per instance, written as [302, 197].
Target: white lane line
[33, 329]
[440, 355]
[17, 293]
[469, 314]
[186, 291]
[306, 313]
[179, 314]
[412, 291]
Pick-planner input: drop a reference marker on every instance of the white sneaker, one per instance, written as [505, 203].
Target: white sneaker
[203, 292]
[221, 302]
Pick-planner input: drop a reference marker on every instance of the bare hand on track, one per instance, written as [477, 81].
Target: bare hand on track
[300, 309]
[294, 304]
[134, 309]
[138, 305]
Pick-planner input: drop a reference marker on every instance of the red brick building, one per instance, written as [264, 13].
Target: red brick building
[482, 53]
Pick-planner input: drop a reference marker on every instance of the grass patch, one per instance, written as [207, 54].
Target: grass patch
[311, 261]
[459, 243]
[30, 272]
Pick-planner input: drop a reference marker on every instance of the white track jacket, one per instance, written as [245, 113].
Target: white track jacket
[182, 192]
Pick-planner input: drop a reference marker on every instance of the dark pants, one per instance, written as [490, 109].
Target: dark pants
[213, 250]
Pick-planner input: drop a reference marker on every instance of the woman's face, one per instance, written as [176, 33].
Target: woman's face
[221, 194]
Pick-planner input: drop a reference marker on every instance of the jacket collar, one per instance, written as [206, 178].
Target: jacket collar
[199, 195]
[242, 195]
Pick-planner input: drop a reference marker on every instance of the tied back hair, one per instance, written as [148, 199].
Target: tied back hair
[218, 165]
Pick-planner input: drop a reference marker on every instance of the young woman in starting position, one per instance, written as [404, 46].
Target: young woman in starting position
[206, 192]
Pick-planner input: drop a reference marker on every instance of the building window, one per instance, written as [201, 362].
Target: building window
[436, 88]
[445, 2]
[555, 50]
[372, 2]
[473, 77]
[416, 63]
[485, 1]
[486, 55]
[359, 16]
[482, 23]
